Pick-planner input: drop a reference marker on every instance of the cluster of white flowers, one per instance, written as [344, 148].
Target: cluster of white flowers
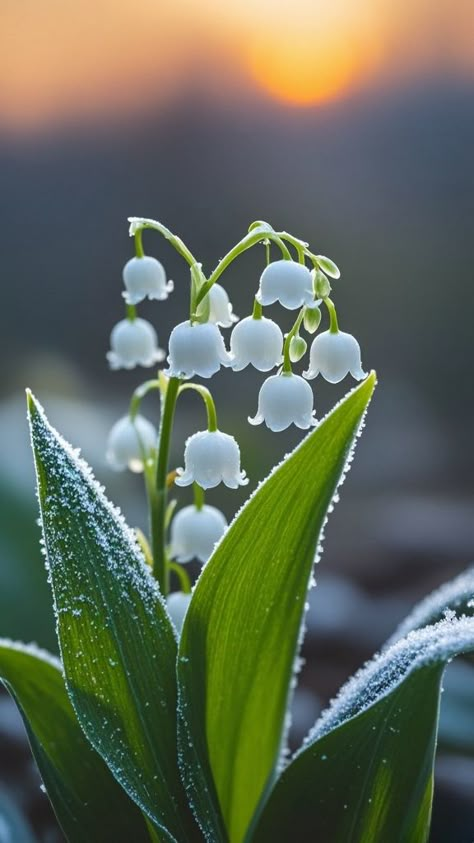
[197, 348]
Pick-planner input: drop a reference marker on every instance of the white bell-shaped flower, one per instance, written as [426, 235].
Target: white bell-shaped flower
[130, 443]
[288, 282]
[145, 277]
[220, 312]
[195, 531]
[134, 343]
[256, 341]
[210, 458]
[196, 350]
[177, 604]
[334, 355]
[283, 400]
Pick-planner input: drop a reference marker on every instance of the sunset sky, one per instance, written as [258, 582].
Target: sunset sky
[63, 60]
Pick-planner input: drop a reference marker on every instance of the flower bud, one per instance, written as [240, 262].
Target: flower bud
[194, 532]
[288, 282]
[283, 400]
[312, 319]
[130, 443]
[256, 341]
[334, 355]
[145, 277]
[298, 347]
[196, 350]
[210, 458]
[328, 266]
[220, 308]
[134, 343]
[321, 284]
[177, 604]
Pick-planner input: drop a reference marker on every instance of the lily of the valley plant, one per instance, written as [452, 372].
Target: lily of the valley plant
[166, 717]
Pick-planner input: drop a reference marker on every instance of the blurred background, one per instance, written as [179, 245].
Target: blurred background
[350, 124]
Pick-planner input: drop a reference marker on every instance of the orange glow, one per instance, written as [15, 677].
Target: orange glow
[303, 79]
[63, 61]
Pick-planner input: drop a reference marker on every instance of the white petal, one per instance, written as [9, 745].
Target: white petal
[283, 400]
[178, 604]
[256, 341]
[144, 277]
[334, 355]
[220, 307]
[196, 350]
[194, 532]
[285, 281]
[133, 342]
[130, 443]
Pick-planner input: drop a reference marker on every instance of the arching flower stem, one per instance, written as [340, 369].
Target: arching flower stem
[287, 369]
[182, 575]
[139, 394]
[208, 400]
[333, 324]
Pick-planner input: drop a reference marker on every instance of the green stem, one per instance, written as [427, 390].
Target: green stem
[183, 575]
[158, 497]
[139, 243]
[198, 496]
[131, 312]
[333, 324]
[208, 400]
[257, 310]
[140, 223]
[256, 235]
[139, 395]
[286, 349]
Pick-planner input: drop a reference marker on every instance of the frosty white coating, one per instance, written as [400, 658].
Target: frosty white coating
[210, 458]
[334, 355]
[258, 342]
[145, 277]
[196, 350]
[134, 343]
[177, 605]
[288, 282]
[283, 400]
[221, 312]
[130, 443]
[194, 532]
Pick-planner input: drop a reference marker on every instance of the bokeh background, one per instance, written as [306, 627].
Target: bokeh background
[350, 124]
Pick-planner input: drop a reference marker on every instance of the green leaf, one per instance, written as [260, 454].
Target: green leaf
[457, 596]
[366, 774]
[117, 643]
[79, 785]
[13, 826]
[243, 626]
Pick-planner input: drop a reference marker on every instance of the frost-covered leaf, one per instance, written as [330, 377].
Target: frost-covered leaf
[366, 772]
[79, 785]
[117, 643]
[241, 633]
[456, 596]
[13, 826]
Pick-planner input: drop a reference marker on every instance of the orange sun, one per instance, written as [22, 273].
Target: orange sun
[304, 74]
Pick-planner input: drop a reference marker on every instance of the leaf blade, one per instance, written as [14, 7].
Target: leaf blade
[78, 782]
[379, 754]
[117, 643]
[243, 625]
